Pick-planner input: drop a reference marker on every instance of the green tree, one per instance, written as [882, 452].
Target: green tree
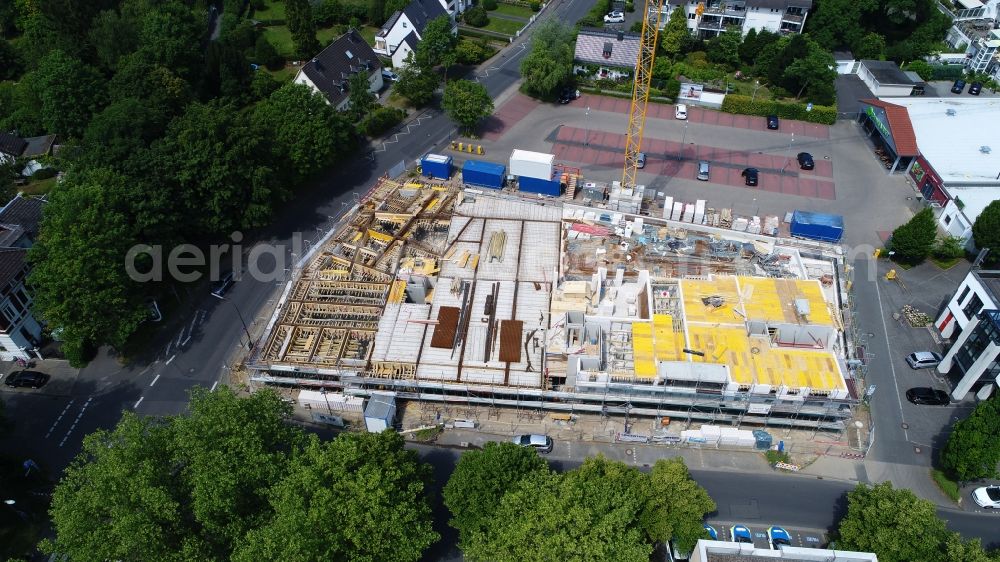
[298, 15]
[467, 103]
[871, 46]
[415, 84]
[113, 36]
[476, 16]
[479, 482]
[437, 44]
[373, 488]
[393, 6]
[157, 86]
[676, 505]
[549, 66]
[183, 488]
[725, 48]
[590, 513]
[894, 524]
[77, 262]
[361, 102]
[170, 36]
[376, 12]
[304, 131]
[813, 75]
[11, 61]
[986, 230]
[921, 67]
[973, 447]
[220, 167]
[226, 72]
[949, 247]
[119, 134]
[955, 548]
[68, 92]
[264, 53]
[21, 109]
[912, 242]
[675, 34]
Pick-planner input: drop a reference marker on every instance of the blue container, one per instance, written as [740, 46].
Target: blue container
[483, 174]
[436, 166]
[535, 185]
[817, 226]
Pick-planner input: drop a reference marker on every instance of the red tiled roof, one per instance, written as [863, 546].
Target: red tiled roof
[899, 123]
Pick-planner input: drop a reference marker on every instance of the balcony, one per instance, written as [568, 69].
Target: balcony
[728, 10]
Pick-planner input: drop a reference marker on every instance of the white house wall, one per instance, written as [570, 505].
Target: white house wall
[954, 308]
[398, 32]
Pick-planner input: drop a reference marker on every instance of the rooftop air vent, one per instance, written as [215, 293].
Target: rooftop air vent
[951, 112]
[621, 35]
[984, 149]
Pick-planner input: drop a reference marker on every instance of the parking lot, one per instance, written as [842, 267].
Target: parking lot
[589, 133]
[806, 538]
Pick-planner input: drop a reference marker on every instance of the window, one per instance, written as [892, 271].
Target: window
[10, 312]
[690, 16]
[965, 293]
[974, 306]
[947, 220]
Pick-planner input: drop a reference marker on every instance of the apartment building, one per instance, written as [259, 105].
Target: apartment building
[707, 19]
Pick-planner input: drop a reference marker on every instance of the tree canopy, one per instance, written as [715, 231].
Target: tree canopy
[893, 523]
[437, 44]
[913, 241]
[986, 230]
[467, 103]
[416, 84]
[973, 447]
[233, 480]
[603, 510]
[907, 29]
[675, 34]
[549, 66]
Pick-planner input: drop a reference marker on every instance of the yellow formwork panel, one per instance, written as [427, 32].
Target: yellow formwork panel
[773, 300]
[379, 236]
[668, 343]
[397, 292]
[693, 290]
[642, 350]
[753, 361]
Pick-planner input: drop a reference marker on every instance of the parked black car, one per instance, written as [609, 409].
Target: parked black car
[924, 396]
[806, 161]
[30, 379]
[958, 86]
[750, 176]
[975, 88]
[568, 95]
[772, 122]
[222, 286]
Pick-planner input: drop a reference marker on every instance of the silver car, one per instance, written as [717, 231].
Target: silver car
[923, 359]
[703, 170]
[541, 443]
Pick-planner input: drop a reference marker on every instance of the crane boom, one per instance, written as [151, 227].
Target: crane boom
[640, 89]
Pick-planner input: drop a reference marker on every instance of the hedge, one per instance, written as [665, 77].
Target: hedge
[824, 114]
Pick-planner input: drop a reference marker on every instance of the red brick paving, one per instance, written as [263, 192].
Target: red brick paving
[778, 174]
[509, 114]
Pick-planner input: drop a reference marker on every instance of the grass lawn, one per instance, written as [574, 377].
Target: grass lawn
[945, 263]
[516, 11]
[39, 187]
[275, 10]
[947, 485]
[281, 38]
[286, 74]
[507, 27]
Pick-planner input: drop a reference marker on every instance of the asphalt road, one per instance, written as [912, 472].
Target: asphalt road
[755, 500]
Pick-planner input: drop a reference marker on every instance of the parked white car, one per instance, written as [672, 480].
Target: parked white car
[615, 17]
[681, 111]
[987, 497]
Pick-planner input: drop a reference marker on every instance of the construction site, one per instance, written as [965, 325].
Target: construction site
[449, 296]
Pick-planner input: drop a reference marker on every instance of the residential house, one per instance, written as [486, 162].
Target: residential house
[614, 53]
[401, 33]
[972, 323]
[330, 71]
[707, 19]
[14, 147]
[20, 332]
[973, 28]
[885, 78]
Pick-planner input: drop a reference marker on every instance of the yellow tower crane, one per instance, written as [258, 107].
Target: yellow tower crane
[640, 89]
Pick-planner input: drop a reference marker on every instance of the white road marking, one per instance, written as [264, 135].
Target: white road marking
[171, 359]
[214, 384]
[59, 419]
[156, 378]
[76, 421]
[139, 401]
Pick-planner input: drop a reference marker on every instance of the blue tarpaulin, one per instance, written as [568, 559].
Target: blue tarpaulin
[817, 226]
[485, 174]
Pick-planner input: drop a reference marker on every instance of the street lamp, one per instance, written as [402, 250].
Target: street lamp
[242, 321]
[754, 96]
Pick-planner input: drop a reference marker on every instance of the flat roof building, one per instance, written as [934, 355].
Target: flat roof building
[725, 551]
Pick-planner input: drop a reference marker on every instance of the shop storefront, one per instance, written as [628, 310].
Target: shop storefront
[888, 128]
[928, 182]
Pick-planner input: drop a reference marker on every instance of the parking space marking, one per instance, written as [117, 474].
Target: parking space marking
[171, 359]
[76, 421]
[59, 419]
[214, 384]
[139, 401]
[156, 378]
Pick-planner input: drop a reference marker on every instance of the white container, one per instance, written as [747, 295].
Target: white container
[668, 206]
[525, 163]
